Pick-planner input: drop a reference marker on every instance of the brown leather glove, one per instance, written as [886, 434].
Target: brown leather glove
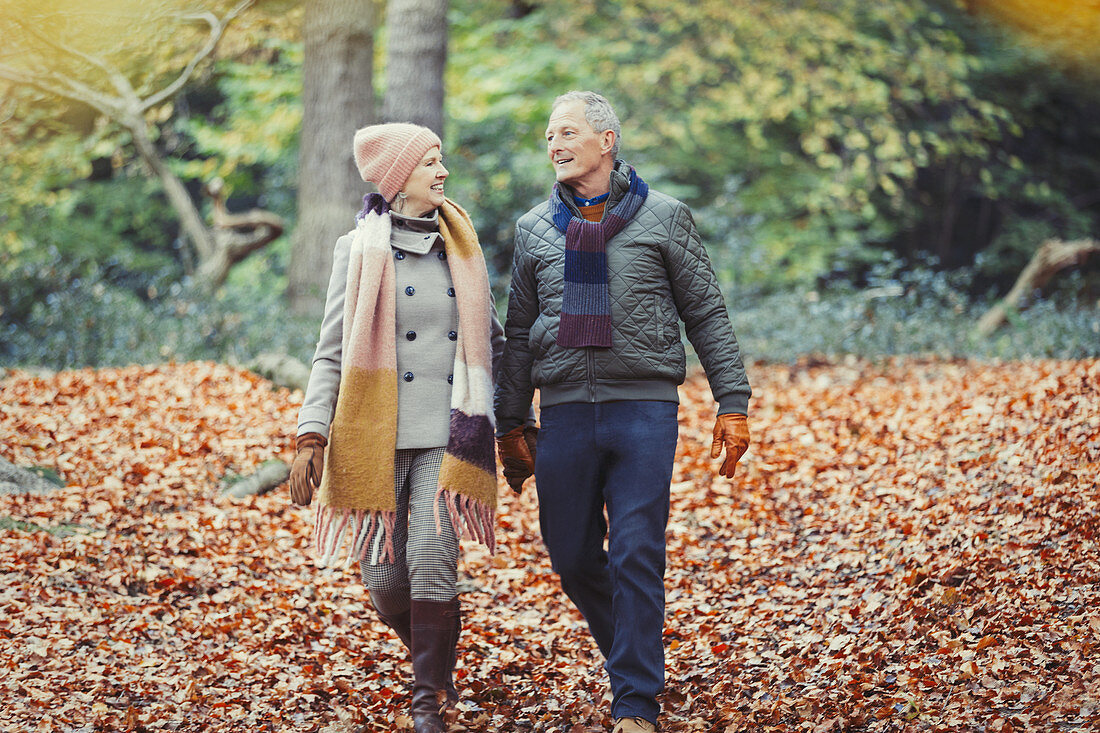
[732, 431]
[309, 464]
[517, 454]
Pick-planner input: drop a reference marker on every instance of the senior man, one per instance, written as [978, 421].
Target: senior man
[602, 274]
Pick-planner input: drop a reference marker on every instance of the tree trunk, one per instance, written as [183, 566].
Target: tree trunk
[337, 99]
[1050, 258]
[416, 54]
[194, 228]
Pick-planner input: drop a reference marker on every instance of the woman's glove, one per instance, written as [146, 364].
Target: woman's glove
[732, 431]
[309, 464]
[517, 455]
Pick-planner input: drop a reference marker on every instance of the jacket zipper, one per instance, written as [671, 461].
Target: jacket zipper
[591, 358]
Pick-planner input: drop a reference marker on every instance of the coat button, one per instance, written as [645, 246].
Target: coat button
[410, 290]
[453, 335]
[450, 379]
[398, 255]
[410, 335]
[442, 255]
[451, 292]
[408, 376]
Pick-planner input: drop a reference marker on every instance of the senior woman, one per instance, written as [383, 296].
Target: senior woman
[400, 393]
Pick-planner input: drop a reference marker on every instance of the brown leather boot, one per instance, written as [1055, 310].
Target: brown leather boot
[399, 622]
[434, 635]
[452, 693]
[401, 625]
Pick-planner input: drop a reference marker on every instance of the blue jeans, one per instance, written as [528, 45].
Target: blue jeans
[616, 455]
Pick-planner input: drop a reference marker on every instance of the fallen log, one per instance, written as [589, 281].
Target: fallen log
[1053, 256]
[281, 369]
[269, 475]
[17, 480]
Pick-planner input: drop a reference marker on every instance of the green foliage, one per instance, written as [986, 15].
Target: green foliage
[808, 136]
[83, 222]
[54, 229]
[1044, 181]
[60, 530]
[502, 74]
[249, 138]
[47, 473]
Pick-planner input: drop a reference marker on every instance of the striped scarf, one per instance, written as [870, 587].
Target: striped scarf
[586, 305]
[356, 500]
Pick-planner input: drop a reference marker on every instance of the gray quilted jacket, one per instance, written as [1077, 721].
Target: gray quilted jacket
[658, 274]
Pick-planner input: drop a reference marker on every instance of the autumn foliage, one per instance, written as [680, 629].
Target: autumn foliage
[909, 545]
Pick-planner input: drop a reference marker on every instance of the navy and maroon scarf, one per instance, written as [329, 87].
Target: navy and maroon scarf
[586, 304]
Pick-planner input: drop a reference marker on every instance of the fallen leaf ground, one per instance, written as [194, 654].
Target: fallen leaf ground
[908, 546]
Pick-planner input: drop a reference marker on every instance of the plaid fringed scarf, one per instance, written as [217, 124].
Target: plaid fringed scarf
[356, 500]
[586, 305]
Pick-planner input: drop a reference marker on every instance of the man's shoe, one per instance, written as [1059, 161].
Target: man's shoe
[634, 725]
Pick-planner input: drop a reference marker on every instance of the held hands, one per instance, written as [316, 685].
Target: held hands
[517, 454]
[309, 464]
[731, 431]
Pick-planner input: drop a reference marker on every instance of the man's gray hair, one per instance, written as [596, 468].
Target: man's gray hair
[597, 111]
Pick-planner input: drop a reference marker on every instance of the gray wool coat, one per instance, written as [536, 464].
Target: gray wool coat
[427, 331]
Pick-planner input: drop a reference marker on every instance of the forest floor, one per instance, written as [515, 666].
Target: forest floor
[908, 545]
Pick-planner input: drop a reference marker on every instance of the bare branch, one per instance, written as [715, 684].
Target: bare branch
[7, 111]
[121, 83]
[63, 86]
[128, 98]
[217, 28]
[14, 75]
[241, 233]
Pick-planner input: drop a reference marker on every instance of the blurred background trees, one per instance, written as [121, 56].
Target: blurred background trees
[127, 61]
[867, 177]
[337, 97]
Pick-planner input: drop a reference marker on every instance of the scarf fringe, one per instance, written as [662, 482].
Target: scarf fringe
[334, 526]
[471, 519]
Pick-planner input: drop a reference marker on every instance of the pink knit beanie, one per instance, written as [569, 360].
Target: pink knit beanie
[386, 154]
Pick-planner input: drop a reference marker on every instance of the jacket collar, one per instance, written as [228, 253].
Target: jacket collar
[425, 224]
[620, 184]
[415, 234]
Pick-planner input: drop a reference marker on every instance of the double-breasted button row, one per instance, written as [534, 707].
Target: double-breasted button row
[409, 376]
[426, 314]
[410, 290]
[411, 335]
